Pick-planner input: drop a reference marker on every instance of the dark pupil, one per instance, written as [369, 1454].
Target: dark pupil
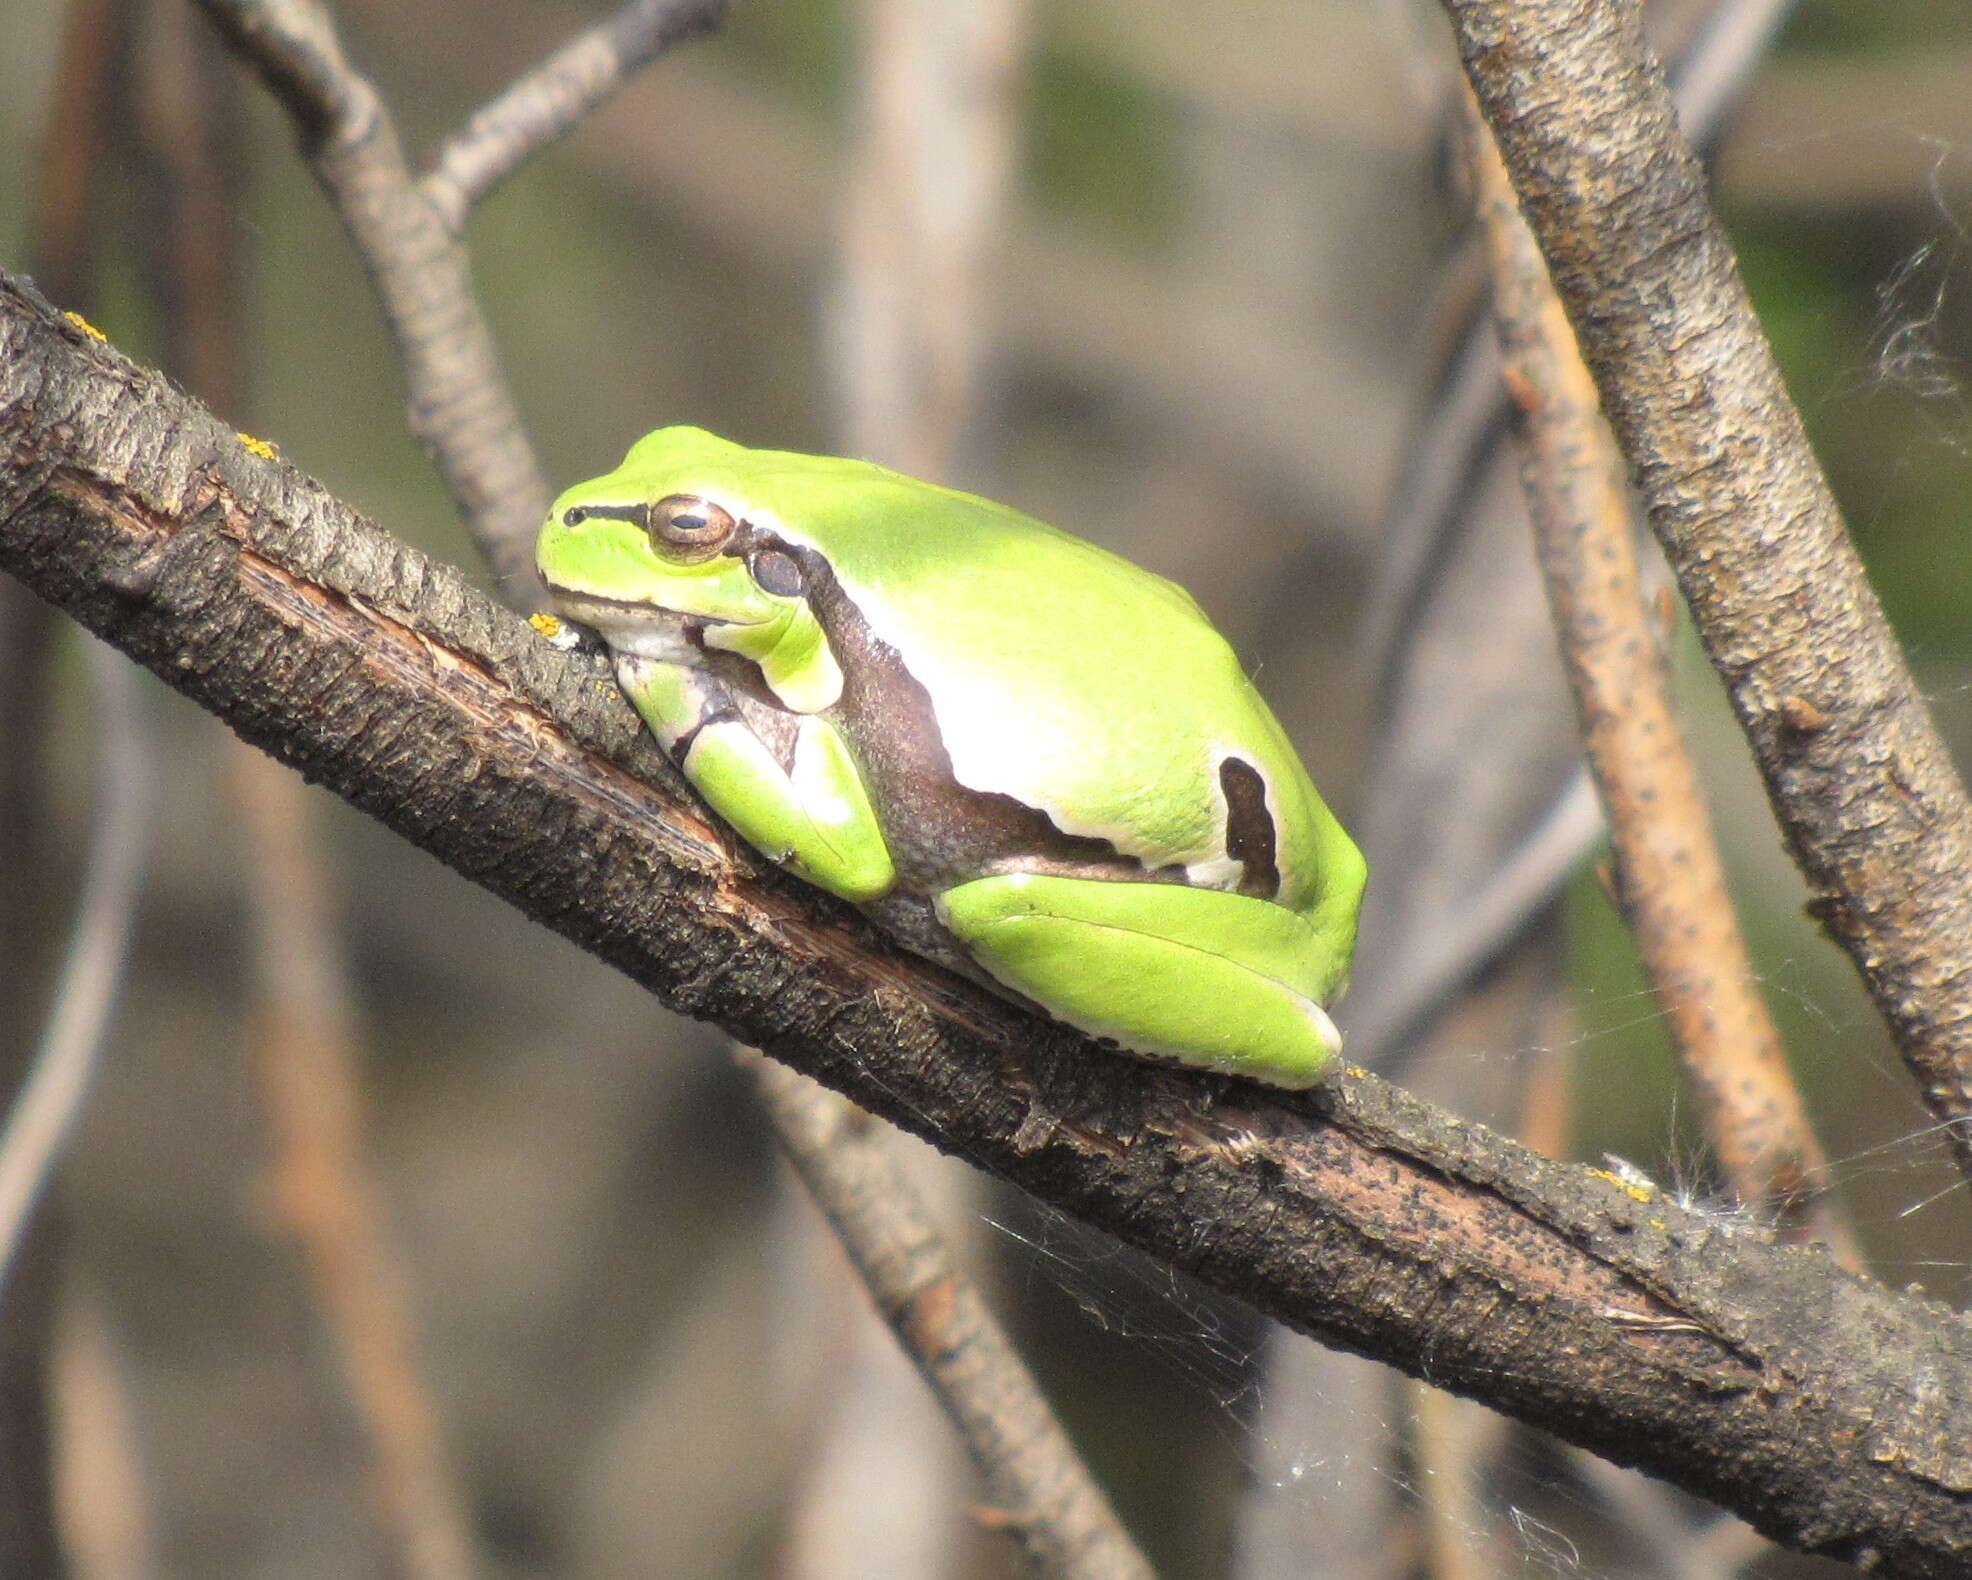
[687, 522]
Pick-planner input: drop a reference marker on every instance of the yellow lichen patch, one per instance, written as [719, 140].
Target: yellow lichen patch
[85, 326]
[1628, 1188]
[546, 624]
[259, 447]
[1355, 1072]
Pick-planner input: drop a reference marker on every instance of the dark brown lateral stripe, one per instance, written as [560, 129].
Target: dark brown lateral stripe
[1250, 836]
[682, 746]
[941, 832]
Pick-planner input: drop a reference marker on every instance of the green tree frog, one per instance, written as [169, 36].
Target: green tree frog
[1023, 756]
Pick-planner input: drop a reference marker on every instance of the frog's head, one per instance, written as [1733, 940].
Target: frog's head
[659, 557]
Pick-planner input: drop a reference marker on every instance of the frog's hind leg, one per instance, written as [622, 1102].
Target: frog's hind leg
[1221, 981]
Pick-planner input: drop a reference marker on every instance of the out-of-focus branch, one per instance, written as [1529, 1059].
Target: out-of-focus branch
[922, 224]
[45, 1109]
[109, 1528]
[305, 1033]
[1669, 879]
[541, 105]
[305, 1037]
[753, 178]
[1863, 788]
[1710, 69]
[459, 404]
[63, 216]
[1050, 1504]
[1762, 1377]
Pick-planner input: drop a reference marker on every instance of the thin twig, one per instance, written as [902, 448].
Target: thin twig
[540, 106]
[1669, 878]
[1860, 781]
[406, 231]
[755, 178]
[113, 875]
[459, 403]
[1743, 1371]
[1041, 1489]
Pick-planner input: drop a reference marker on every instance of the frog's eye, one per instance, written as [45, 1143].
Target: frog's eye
[691, 527]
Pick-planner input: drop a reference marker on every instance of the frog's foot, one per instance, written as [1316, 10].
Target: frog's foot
[1220, 981]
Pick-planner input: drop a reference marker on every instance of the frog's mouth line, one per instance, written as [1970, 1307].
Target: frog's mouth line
[586, 608]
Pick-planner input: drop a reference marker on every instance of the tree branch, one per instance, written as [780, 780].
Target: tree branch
[1043, 1492]
[538, 107]
[50, 1096]
[459, 404]
[1871, 806]
[1761, 1377]
[1669, 878]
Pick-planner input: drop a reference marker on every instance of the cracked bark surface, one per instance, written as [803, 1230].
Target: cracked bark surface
[1824, 1408]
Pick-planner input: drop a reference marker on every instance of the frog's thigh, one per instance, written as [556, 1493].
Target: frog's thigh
[815, 818]
[1223, 981]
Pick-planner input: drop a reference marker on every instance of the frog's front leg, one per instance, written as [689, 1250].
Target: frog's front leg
[1221, 981]
[804, 806]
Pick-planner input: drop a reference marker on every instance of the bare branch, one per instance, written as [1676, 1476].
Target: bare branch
[1448, 447]
[922, 223]
[1863, 788]
[459, 403]
[926, 197]
[540, 106]
[306, 1062]
[109, 1527]
[1669, 878]
[1039, 1484]
[44, 1111]
[1762, 1377]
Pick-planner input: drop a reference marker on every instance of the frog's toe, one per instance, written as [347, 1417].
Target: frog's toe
[1220, 981]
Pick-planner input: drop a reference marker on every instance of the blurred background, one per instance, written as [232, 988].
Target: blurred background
[1213, 309]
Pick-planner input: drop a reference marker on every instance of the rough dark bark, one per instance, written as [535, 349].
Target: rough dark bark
[1863, 788]
[1764, 1378]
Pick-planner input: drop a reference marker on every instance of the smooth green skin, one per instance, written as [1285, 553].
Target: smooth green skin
[1058, 673]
